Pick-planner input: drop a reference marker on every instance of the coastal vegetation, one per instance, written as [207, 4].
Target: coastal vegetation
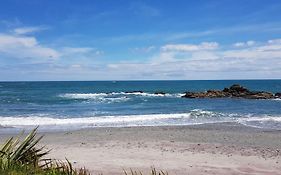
[25, 157]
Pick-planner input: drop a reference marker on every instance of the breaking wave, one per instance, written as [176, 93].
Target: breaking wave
[265, 121]
[98, 97]
[192, 117]
[83, 96]
[115, 94]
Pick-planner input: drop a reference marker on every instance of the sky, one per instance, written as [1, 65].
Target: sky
[43, 40]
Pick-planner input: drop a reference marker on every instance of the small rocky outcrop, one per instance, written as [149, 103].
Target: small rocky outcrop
[278, 95]
[130, 92]
[159, 93]
[234, 91]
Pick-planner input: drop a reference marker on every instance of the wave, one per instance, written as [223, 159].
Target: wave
[265, 121]
[192, 117]
[99, 95]
[114, 97]
[83, 96]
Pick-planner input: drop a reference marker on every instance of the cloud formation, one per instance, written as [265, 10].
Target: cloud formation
[24, 47]
[28, 30]
[244, 44]
[205, 60]
[20, 45]
[191, 47]
[268, 50]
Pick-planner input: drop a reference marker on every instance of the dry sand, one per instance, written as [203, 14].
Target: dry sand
[224, 149]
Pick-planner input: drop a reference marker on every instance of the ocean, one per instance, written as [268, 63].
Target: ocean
[82, 104]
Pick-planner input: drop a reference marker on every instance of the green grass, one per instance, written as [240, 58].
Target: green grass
[24, 157]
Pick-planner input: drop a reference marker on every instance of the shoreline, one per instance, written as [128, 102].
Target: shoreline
[224, 148]
[9, 130]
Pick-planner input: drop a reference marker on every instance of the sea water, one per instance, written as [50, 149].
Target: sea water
[83, 104]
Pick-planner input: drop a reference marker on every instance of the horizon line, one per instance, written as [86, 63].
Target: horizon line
[11, 81]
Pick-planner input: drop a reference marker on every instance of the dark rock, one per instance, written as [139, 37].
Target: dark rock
[225, 90]
[208, 94]
[238, 88]
[129, 92]
[278, 95]
[234, 91]
[215, 94]
[189, 95]
[260, 95]
[159, 93]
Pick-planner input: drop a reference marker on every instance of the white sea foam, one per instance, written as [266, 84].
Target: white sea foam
[115, 94]
[98, 97]
[192, 117]
[265, 121]
[83, 96]
[117, 99]
[261, 119]
[104, 95]
[29, 121]
[143, 94]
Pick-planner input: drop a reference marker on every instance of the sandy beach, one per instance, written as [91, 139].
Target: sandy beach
[225, 148]
[140, 87]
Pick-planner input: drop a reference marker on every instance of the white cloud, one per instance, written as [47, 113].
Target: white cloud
[27, 30]
[76, 66]
[191, 47]
[244, 44]
[18, 45]
[269, 49]
[74, 50]
[185, 61]
[275, 41]
[22, 46]
[207, 60]
[251, 43]
[239, 44]
[99, 52]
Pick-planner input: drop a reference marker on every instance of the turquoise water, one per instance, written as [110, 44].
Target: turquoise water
[73, 105]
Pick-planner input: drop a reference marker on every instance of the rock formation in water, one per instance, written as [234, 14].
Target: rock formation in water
[234, 91]
[159, 93]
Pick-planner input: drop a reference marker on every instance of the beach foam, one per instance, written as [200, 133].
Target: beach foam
[265, 121]
[192, 117]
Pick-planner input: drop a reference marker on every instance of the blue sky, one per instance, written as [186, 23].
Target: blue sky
[140, 39]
